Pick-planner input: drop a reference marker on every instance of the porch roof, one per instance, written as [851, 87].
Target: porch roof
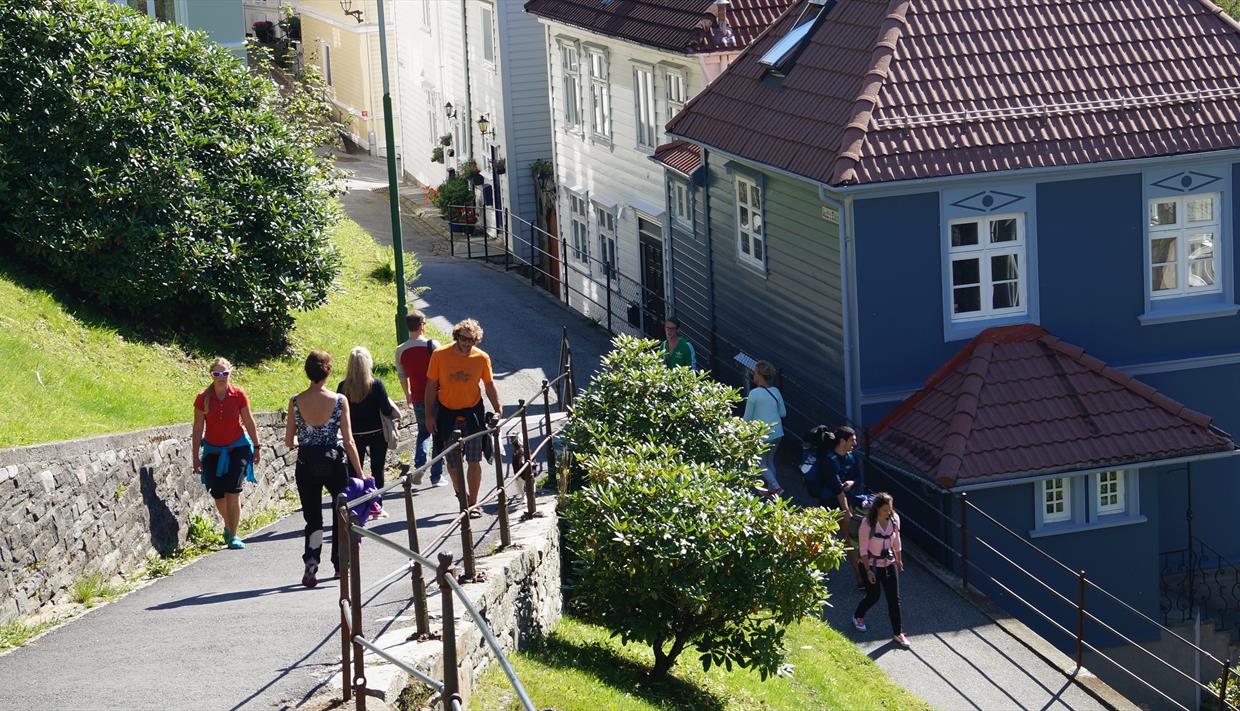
[681, 156]
[1017, 401]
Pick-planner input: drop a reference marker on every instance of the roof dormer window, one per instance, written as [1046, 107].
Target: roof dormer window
[781, 54]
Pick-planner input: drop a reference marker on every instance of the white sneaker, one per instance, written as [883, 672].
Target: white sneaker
[439, 482]
[382, 514]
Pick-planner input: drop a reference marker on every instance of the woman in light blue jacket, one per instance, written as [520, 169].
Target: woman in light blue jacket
[766, 404]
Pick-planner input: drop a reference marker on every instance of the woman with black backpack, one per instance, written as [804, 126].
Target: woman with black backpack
[883, 556]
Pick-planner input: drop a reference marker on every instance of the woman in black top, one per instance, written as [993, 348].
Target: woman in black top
[367, 399]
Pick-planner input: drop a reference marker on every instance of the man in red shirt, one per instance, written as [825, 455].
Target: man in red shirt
[412, 357]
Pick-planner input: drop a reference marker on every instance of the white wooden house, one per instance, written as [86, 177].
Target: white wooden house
[461, 61]
[619, 71]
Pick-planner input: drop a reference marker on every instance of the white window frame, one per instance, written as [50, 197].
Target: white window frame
[675, 91]
[1057, 491]
[645, 106]
[570, 67]
[682, 204]
[579, 227]
[605, 224]
[1109, 495]
[325, 61]
[600, 92]
[426, 14]
[486, 17]
[984, 252]
[750, 232]
[1182, 231]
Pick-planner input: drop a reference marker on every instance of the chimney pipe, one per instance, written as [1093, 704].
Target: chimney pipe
[720, 9]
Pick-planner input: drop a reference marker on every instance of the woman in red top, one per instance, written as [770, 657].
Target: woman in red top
[225, 452]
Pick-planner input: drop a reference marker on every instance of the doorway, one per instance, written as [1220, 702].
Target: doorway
[650, 241]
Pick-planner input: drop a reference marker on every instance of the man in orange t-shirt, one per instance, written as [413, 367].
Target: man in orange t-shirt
[453, 401]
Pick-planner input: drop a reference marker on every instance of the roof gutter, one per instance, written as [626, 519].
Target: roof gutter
[1203, 457]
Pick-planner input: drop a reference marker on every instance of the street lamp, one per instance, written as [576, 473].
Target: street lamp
[449, 110]
[402, 310]
[357, 14]
[483, 125]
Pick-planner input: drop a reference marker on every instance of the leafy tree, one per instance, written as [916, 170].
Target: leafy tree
[147, 170]
[635, 399]
[1233, 687]
[669, 555]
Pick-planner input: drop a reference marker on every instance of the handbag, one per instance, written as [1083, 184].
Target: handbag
[391, 427]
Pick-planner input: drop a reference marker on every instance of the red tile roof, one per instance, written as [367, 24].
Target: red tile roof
[1018, 401]
[681, 156]
[900, 89]
[687, 26]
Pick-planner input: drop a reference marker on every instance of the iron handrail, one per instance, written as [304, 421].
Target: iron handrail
[435, 684]
[1147, 652]
[1134, 675]
[1151, 620]
[1016, 565]
[1019, 537]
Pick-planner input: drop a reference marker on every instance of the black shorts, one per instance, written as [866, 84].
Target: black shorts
[230, 482]
[445, 423]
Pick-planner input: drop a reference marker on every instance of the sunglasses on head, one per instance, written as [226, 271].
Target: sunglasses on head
[220, 373]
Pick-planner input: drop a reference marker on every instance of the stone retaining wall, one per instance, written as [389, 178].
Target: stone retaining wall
[520, 598]
[102, 504]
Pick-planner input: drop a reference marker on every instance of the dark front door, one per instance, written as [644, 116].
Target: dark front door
[650, 239]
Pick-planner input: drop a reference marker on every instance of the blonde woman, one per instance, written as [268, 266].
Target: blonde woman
[367, 400]
[225, 445]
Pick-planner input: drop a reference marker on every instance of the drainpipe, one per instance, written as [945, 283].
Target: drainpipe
[852, 385]
[469, 103]
[710, 256]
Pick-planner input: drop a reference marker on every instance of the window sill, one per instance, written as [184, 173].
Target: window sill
[1172, 312]
[757, 269]
[1105, 522]
[965, 330]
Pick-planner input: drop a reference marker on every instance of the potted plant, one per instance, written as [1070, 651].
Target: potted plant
[470, 172]
[500, 166]
[445, 140]
[437, 154]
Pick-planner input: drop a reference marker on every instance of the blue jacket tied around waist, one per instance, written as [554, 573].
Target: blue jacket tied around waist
[221, 468]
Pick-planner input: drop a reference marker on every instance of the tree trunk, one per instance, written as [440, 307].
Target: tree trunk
[663, 662]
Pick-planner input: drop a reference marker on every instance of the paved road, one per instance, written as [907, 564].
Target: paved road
[236, 629]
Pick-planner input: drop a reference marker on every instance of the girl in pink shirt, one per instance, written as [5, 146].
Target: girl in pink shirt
[881, 554]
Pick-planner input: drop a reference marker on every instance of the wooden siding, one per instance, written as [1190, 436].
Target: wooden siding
[792, 316]
[526, 131]
[689, 275]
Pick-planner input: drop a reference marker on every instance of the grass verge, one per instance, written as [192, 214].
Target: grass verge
[580, 667]
[89, 378]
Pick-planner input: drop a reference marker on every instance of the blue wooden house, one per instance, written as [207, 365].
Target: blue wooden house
[887, 185]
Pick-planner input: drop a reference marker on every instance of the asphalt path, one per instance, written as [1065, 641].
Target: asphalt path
[236, 629]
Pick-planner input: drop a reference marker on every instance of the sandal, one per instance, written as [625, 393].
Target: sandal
[475, 513]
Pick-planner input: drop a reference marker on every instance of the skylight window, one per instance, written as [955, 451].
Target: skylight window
[790, 44]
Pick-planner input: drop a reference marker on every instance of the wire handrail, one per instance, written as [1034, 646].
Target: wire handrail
[524, 461]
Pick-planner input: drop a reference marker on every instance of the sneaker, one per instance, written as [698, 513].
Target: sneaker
[308, 578]
[859, 624]
[382, 514]
[901, 641]
[438, 482]
[236, 543]
[227, 536]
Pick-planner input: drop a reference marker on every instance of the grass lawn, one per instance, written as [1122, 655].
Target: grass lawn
[75, 376]
[581, 668]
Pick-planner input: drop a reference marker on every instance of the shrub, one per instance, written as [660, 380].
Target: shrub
[1233, 687]
[453, 192]
[668, 555]
[147, 170]
[635, 399]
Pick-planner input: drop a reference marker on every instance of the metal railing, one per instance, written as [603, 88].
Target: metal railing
[524, 466]
[1200, 578]
[967, 539]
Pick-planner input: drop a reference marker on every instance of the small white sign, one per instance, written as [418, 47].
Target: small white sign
[831, 214]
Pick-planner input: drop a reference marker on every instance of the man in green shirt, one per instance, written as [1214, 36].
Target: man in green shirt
[676, 350]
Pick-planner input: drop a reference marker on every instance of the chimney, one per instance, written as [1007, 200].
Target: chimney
[720, 10]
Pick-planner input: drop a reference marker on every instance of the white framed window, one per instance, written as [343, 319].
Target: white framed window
[488, 33]
[1056, 500]
[426, 13]
[1110, 493]
[325, 57]
[987, 269]
[570, 64]
[579, 217]
[1184, 233]
[605, 221]
[674, 91]
[600, 94]
[750, 234]
[681, 208]
[432, 116]
[645, 107]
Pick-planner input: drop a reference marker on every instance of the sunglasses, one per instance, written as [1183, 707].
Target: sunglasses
[220, 373]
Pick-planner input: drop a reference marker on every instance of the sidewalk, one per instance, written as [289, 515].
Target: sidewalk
[236, 629]
[960, 659]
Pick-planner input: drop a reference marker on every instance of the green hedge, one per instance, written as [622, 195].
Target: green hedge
[147, 170]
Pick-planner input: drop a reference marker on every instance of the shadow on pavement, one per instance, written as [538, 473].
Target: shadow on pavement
[214, 599]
